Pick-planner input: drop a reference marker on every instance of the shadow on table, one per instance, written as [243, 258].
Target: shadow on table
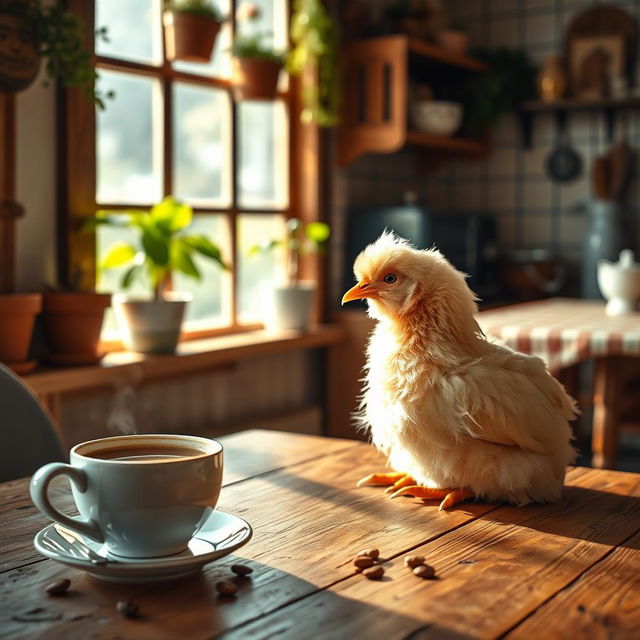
[587, 514]
[271, 603]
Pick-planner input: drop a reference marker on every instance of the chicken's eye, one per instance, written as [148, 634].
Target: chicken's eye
[390, 278]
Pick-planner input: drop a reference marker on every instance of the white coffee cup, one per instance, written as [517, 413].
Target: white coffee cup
[142, 495]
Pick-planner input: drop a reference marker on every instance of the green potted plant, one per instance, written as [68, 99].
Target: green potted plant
[163, 246]
[72, 323]
[33, 31]
[190, 29]
[288, 307]
[256, 68]
[509, 80]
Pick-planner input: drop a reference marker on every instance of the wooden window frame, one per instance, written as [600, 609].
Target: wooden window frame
[76, 164]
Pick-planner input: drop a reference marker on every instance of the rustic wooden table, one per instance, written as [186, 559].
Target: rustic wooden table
[566, 570]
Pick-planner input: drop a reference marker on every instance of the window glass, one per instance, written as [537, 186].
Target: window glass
[264, 269]
[201, 144]
[262, 155]
[134, 30]
[129, 140]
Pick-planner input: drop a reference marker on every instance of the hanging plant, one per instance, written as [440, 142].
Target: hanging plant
[32, 31]
[314, 37]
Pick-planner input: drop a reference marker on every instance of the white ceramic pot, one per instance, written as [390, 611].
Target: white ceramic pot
[436, 116]
[150, 326]
[288, 308]
[619, 283]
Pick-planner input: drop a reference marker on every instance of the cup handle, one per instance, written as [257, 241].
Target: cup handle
[39, 490]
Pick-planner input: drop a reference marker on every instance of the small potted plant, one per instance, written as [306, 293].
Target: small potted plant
[255, 64]
[18, 312]
[256, 68]
[32, 31]
[162, 247]
[72, 323]
[288, 307]
[190, 29]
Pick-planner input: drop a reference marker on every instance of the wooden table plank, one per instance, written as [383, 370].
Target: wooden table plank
[604, 602]
[248, 453]
[493, 572]
[308, 519]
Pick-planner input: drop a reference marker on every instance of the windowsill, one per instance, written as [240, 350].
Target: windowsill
[192, 355]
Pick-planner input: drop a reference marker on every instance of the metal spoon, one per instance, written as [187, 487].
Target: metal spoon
[70, 542]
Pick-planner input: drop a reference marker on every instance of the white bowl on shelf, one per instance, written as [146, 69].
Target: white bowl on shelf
[438, 117]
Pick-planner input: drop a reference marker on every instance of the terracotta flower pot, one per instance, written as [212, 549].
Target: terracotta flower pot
[189, 37]
[255, 79]
[19, 60]
[72, 324]
[17, 315]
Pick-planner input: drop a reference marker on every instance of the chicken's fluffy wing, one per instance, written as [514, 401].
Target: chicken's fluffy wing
[510, 398]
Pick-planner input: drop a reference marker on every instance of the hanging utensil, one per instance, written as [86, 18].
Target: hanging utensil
[600, 178]
[564, 163]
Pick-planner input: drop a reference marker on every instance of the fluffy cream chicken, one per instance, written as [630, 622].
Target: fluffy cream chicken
[457, 415]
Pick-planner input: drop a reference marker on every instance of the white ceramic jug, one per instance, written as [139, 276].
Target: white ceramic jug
[619, 283]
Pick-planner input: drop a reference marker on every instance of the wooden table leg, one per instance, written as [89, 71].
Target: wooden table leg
[604, 439]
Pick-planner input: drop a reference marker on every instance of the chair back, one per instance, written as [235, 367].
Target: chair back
[27, 436]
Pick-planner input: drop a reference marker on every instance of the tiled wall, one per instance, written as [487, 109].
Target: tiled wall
[532, 211]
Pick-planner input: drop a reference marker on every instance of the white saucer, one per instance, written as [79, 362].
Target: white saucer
[221, 534]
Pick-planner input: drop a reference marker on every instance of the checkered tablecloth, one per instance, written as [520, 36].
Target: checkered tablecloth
[563, 331]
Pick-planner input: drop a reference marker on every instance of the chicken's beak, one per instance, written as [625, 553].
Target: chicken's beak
[362, 290]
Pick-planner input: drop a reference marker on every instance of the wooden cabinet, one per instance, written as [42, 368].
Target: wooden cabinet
[377, 75]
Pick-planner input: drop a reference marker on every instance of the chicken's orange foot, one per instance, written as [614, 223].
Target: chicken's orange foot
[450, 496]
[383, 479]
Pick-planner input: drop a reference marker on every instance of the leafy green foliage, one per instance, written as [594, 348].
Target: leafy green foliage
[509, 81]
[202, 8]
[162, 246]
[314, 36]
[300, 240]
[60, 38]
[245, 46]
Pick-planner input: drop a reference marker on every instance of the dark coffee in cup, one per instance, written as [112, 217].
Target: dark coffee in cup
[145, 453]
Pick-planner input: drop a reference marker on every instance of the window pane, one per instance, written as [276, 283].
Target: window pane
[211, 304]
[255, 272]
[134, 29]
[220, 63]
[271, 21]
[128, 140]
[201, 144]
[263, 169]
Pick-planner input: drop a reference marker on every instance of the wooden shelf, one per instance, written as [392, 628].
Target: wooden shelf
[577, 104]
[376, 95]
[562, 108]
[192, 356]
[443, 56]
[452, 143]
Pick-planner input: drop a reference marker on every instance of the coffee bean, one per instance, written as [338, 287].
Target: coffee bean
[413, 561]
[425, 571]
[372, 553]
[226, 588]
[58, 587]
[241, 569]
[373, 573]
[364, 562]
[127, 609]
